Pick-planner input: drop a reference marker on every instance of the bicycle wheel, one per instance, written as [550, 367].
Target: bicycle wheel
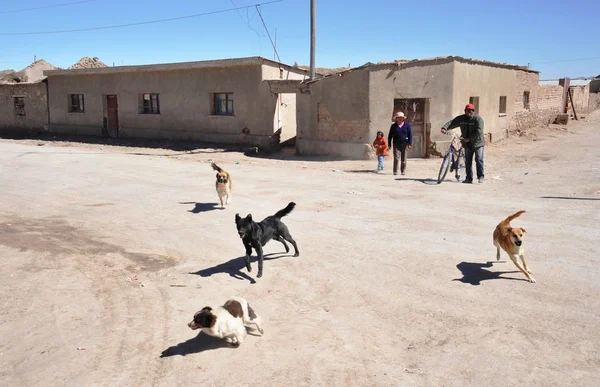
[461, 157]
[445, 166]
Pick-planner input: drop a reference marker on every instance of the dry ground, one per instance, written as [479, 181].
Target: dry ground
[396, 283]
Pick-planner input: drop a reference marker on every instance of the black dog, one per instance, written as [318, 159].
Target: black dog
[256, 235]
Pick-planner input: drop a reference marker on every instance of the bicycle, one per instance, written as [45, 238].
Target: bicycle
[452, 160]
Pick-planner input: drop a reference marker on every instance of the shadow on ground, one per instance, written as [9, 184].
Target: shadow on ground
[187, 147]
[202, 207]
[236, 267]
[567, 198]
[197, 344]
[373, 171]
[474, 273]
[427, 181]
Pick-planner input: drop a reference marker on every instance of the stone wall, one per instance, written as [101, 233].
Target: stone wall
[23, 107]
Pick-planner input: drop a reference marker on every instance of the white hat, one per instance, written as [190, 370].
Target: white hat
[399, 114]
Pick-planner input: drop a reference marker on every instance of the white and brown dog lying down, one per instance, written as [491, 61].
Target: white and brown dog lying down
[223, 184]
[227, 322]
[510, 239]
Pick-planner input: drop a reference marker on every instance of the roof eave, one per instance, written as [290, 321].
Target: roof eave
[234, 62]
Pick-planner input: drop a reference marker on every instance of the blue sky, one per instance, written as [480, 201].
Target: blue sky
[348, 32]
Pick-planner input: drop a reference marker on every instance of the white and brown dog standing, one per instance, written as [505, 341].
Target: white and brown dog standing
[510, 239]
[223, 184]
[227, 322]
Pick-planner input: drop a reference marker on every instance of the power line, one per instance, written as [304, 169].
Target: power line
[46, 6]
[567, 60]
[142, 23]
[268, 34]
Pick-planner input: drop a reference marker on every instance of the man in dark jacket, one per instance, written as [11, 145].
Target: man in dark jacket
[471, 128]
[400, 137]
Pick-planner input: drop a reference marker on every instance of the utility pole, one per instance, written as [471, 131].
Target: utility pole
[312, 39]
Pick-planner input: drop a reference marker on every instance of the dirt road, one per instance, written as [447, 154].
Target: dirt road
[396, 283]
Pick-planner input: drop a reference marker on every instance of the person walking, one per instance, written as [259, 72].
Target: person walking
[471, 128]
[400, 137]
[381, 149]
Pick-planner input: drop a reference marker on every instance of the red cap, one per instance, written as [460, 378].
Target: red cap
[470, 106]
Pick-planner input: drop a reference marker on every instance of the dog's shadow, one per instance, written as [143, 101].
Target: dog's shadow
[236, 267]
[202, 207]
[197, 344]
[474, 273]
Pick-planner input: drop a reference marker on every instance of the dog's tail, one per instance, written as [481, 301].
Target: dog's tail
[216, 167]
[249, 316]
[513, 216]
[281, 213]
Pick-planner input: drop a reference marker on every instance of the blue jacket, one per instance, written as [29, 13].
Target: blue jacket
[400, 135]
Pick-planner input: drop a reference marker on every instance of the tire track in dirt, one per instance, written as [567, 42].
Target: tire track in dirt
[120, 357]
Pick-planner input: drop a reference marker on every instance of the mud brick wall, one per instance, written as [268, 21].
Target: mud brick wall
[580, 98]
[544, 102]
[594, 102]
[29, 112]
[550, 97]
[331, 129]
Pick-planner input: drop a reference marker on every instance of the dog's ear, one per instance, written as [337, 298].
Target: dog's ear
[237, 218]
[524, 231]
[249, 218]
[508, 229]
[217, 175]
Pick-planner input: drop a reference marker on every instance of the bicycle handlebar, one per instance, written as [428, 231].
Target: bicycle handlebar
[448, 133]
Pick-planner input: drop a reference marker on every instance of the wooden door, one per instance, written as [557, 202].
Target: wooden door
[414, 110]
[112, 113]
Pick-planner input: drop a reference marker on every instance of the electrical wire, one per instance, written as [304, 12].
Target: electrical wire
[141, 23]
[45, 7]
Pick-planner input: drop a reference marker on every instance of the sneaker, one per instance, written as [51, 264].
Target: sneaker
[403, 173]
[468, 181]
[481, 180]
[395, 173]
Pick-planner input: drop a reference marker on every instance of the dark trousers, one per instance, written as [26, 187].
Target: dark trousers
[478, 152]
[400, 155]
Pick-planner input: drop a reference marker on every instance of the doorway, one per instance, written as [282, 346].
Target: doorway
[112, 115]
[414, 110]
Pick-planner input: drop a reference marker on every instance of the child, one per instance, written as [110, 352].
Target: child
[381, 149]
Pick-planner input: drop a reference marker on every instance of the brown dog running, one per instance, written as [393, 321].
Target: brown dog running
[223, 184]
[511, 241]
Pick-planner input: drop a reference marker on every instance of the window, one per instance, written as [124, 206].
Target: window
[75, 103]
[223, 104]
[475, 102]
[148, 104]
[526, 99]
[502, 108]
[19, 104]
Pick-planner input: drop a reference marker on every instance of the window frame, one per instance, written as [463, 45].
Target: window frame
[149, 108]
[502, 105]
[19, 112]
[475, 102]
[79, 107]
[216, 108]
[526, 99]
